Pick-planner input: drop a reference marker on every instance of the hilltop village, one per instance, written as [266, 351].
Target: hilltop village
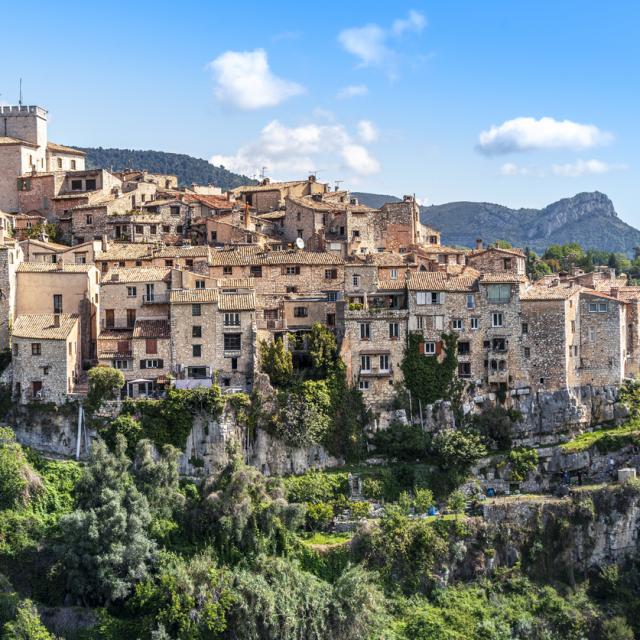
[179, 286]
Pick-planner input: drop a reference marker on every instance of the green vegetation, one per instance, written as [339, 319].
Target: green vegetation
[105, 384]
[608, 439]
[186, 168]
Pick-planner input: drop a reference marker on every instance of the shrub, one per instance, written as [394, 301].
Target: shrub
[456, 502]
[405, 442]
[316, 486]
[372, 489]
[522, 461]
[104, 384]
[276, 361]
[319, 515]
[422, 500]
[359, 510]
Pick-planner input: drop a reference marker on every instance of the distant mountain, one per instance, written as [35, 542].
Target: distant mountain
[587, 218]
[187, 168]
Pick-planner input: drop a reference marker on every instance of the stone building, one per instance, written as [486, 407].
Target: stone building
[270, 196]
[45, 288]
[11, 255]
[46, 357]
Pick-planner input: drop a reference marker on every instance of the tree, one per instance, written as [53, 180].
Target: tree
[322, 348]
[616, 628]
[522, 461]
[457, 449]
[27, 625]
[104, 545]
[18, 481]
[104, 384]
[276, 361]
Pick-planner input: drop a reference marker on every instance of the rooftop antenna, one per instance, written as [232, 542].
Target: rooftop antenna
[338, 183]
[20, 100]
[262, 172]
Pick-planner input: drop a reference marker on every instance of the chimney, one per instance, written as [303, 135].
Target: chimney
[478, 244]
[59, 265]
[247, 217]
[312, 178]
[615, 291]
[56, 319]
[104, 242]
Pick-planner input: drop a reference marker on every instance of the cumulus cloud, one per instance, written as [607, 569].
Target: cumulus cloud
[371, 42]
[285, 150]
[585, 167]
[525, 134]
[244, 80]
[513, 169]
[353, 91]
[367, 131]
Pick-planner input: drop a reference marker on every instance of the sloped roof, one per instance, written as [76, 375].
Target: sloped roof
[53, 267]
[498, 278]
[236, 301]
[125, 251]
[43, 327]
[441, 281]
[235, 283]
[549, 293]
[225, 258]
[119, 275]
[190, 296]
[155, 328]
[8, 140]
[60, 148]
[189, 251]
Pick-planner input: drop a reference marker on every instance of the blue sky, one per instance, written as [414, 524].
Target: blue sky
[519, 103]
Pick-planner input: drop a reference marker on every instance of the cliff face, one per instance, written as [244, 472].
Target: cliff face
[587, 218]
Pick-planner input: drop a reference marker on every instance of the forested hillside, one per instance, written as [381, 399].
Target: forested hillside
[187, 168]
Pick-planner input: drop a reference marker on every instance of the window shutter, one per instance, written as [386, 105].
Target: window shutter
[427, 297]
[421, 347]
[438, 347]
[143, 364]
[160, 364]
[441, 298]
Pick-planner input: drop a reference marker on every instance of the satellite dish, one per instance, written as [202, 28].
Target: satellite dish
[300, 243]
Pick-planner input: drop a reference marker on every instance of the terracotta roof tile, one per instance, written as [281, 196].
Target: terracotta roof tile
[224, 258]
[42, 326]
[52, 267]
[441, 281]
[190, 296]
[236, 301]
[60, 148]
[125, 251]
[549, 293]
[119, 275]
[154, 328]
[506, 277]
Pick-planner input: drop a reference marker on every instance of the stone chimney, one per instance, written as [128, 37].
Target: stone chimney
[104, 244]
[615, 292]
[56, 319]
[479, 244]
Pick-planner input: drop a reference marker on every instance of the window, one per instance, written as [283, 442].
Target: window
[394, 330]
[196, 309]
[430, 297]
[592, 334]
[474, 323]
[365, 331]
[384, 362]
[154, 363]
[525, 327]
[464, 369]
[175, 210]
[365, 363]
[527, 352]
[89, 219]
[464, 348]
[256, 271]
[166, 228]
[197, 373]
[331, 319]
[573, 326]
[497, 319]
[471, 301]
[139, 229]
[120, 364]
[59, 162]
[291, 289]
[232, 341]
[57, 303]
[430, 348]
[153, 229]
[90, 184]
[394, 274]
[457, 324]
[200, 284]
[196, 331]
[356, 280]
[332, 296]
[298, 216]
[499, 292]
[131, 318]
[300, 312]
[363, 385]
[231, 319]
[15, 349]
[598, 307]
[36, 349]
[499, 344]
[420, 322]
[151, 346]
[196, 350]
[132, 292]
[506, 263]
[299, 231]
[234, 364]
[292, 271]
[168, 263]
[109, 321]
[73, 165]
[330, 274]
[76, 185]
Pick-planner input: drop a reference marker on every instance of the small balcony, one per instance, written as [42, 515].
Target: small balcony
[155, 298]
[271, 324]
[376, 372]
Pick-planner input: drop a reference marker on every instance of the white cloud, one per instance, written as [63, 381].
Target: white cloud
[525, 134]
[415, 21]
[353, 91]
[568, 170]
[370, 43]
[367, 131]
[585, 167]
[244, 80]
[286, 150]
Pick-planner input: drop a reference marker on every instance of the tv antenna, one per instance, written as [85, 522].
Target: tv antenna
[262, 172]
[315, 172]
[20, 99]
[338, 183]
